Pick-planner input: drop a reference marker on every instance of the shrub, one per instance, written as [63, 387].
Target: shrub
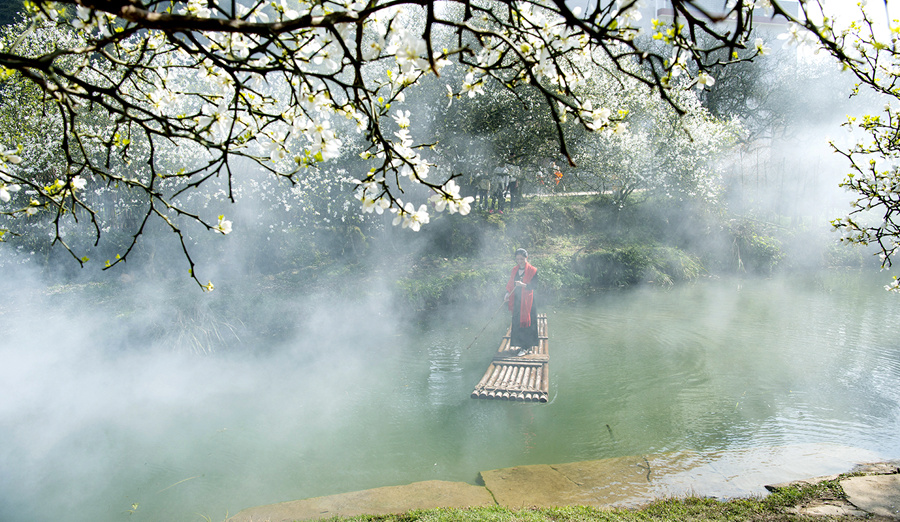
[753, 249]
[632, 264]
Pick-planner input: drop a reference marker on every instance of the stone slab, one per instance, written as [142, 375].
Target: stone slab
[380, 501]
[526, 486]
[615, 482]
[831, 508]
[875, 494]
[622, 481]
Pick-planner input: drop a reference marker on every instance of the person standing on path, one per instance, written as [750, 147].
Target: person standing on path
[520, 296]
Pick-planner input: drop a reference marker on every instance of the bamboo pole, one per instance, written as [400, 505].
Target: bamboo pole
[545, 384]
[517, 374]
[486, 377]
[498, 382]
[520, 375]
[504, 377]
[494, 375]
[511, 375]
[545, 375]
[504, 341]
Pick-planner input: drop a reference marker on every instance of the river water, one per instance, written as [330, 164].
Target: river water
[721, 365]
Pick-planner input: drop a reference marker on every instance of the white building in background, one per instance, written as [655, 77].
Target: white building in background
[764, 20]
[766, 24]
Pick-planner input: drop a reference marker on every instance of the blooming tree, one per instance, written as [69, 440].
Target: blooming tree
[160, 98]
[673, 156]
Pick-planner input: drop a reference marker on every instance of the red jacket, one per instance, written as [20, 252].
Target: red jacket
[527, 295]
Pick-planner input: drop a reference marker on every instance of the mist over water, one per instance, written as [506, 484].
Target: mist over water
[96, 397]
[98, 423]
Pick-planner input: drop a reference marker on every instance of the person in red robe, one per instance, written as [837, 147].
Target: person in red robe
[520, 296]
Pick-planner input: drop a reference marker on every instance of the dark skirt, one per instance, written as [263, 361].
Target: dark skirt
[523, 336]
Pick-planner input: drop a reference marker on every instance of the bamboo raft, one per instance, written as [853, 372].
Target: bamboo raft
[513, 378]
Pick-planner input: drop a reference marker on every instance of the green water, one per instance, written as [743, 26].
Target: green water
[720, 365]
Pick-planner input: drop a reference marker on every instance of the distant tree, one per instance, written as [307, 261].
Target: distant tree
[669, 155]
[126, 83]
[660, 150]
[757, 93]
[499, 127]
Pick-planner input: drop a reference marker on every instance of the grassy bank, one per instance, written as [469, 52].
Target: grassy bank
[778, 506]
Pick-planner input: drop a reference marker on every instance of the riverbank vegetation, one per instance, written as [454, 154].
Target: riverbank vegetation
[582, 244]
[586, 244]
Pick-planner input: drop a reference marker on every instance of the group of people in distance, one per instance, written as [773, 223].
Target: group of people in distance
[491, 191]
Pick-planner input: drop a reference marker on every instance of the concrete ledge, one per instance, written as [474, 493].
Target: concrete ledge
[621, 482]
[379, 501]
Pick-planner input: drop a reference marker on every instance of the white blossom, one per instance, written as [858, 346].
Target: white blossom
[473, 87]
[324, 140]
[10, 156]
[257, 15]
[797, 35]
[704, 80]
[451, 200]
[286, 12]
[162, 99]
[631, 14]
[373, 49]
[597, 118]
[275, 147]
[5, 191]
[224, 226]
[216, 120]
[196, 8]
[410, 51]
[620, 128]
[409, 217]
[378, 205]
[402, 118]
